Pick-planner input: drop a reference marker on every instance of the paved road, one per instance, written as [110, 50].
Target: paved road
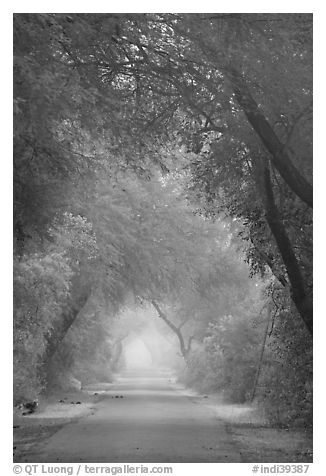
[154, 422]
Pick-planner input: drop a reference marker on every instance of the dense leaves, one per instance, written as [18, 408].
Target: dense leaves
[153, 155]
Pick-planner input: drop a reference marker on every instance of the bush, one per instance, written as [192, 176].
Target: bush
[286, 381]
[41, 287]
[198, 373]
[232, 347]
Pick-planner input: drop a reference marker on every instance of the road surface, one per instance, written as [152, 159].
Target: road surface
[155, 421]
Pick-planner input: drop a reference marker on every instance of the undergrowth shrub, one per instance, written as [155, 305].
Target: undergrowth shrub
[231, 346]
[227, 362]
[41, 286]
[285, 385]
[197, 373]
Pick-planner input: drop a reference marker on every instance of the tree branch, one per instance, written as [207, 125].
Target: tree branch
[173, 327]
[280, 158]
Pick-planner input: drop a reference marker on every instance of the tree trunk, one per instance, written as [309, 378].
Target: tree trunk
[61, 328]
[280, 158]
[183, 349]
[301, 299]
[117, 352]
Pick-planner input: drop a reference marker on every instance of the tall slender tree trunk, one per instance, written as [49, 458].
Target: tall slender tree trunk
[279, 156]
[183, 348]
[117, 353]
[301, 298]
[257, 119]
[61, 327]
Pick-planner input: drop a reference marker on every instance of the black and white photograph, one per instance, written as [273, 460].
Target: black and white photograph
[162, 241]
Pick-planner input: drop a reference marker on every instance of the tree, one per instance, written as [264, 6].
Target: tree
[133, 132]
[181, 72]
[219, 281]
[44, 291]
[184, 348]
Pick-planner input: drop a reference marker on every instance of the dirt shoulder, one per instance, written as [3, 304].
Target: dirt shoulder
[256, 439]
[53, 413]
